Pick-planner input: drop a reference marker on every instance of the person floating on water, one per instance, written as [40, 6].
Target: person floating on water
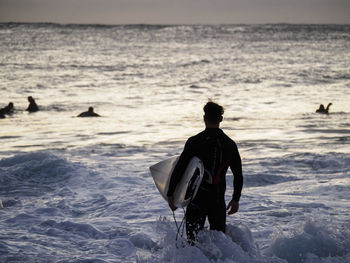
[322, 109]
[9, 109]
[217, 152]
[89, 113]
[32, 107]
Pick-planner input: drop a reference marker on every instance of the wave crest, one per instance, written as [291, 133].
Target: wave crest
[33, 173]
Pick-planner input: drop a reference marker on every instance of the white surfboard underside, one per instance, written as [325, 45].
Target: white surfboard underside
[192, 178]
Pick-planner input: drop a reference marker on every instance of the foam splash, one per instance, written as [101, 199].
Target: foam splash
[237, 245]
[315, 243]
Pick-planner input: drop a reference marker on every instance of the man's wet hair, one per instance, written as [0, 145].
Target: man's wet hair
[213, 112]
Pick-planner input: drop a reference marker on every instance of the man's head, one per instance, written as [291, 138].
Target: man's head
[213, 114]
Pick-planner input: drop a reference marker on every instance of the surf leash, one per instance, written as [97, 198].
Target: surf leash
[180, 228]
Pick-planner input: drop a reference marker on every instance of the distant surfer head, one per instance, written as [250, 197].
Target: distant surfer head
[91, 109]
[213, 114]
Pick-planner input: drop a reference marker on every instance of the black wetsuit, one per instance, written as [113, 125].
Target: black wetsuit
[217, 152]
[8, 110]
[33, 107]
[88, 114]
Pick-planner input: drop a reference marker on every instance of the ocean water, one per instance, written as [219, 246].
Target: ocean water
[79, 189]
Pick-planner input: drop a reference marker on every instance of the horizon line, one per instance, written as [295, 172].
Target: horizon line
[172, 24]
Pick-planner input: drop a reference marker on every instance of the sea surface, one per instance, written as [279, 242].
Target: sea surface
[79, 190]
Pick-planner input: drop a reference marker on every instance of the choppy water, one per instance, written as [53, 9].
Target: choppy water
[79, 189]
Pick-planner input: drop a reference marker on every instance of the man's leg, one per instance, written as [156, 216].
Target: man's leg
[195, 219]
[217, 216]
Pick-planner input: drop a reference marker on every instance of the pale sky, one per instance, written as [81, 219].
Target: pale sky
[176, 11]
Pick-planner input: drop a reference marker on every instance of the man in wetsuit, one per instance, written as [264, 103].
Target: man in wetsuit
[217, 152]
[32, 107]
[89, 113]
[324, 110]
[9, 109]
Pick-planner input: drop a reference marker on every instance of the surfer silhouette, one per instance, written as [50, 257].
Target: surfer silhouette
[322, 109]
[217, 152]
[32, 107]
[9, 109]
[89, 113]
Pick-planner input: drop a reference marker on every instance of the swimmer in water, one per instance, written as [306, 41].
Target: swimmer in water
[89, 113]
[9, 109]
[32, 107]
[324, 110]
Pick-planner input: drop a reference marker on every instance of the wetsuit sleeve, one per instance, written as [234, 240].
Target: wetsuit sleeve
[236, 168]
[180, 167]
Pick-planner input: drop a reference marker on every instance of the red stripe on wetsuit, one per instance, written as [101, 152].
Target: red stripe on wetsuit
[217, 178]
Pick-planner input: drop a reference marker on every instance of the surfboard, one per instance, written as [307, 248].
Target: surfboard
[188, 186]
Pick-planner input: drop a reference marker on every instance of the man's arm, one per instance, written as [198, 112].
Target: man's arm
[329, 104]
[236, 168]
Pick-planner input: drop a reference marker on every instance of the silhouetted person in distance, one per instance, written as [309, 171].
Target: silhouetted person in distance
[9, 109]
[32, 107]
[89, 113]
[217, 152]
[322, 109]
